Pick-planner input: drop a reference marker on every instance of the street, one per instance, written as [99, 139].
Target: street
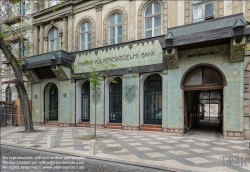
[20, 159]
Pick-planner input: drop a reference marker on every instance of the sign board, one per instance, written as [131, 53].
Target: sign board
[123, 57]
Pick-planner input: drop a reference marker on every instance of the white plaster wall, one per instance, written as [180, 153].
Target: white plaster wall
[228, 10]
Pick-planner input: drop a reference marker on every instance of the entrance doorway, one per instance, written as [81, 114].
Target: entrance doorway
[86, 101]
[53, 103]
[115, 101]
[203, 101]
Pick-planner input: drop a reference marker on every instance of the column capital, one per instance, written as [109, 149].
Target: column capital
[46, 38]
[71, 15]
[41, 25]
[98, 7]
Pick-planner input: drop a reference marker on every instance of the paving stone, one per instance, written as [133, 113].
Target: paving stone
[197, 160]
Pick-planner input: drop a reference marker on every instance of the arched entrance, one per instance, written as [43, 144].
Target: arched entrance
[115, 101]
[53, 103]
[86, 101]
[203, 100]
[153, 100]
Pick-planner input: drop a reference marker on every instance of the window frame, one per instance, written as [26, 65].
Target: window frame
[54, 40]
[22, 8]
[22, 49]
[203, 7]
[53, 2]
[9, 9]
[153, 20]
[116, 25]
[86, 41]
[8, 94]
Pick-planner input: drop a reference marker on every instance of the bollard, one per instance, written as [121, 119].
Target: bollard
[51, 142]
[93, 147]
[18, 138]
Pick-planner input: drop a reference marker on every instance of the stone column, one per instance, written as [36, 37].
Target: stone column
[70, 32]
[65, 34]
[60, 40]
[45, 44]
[41, 41]
[132, 23]
[99, 35]
[35, 46]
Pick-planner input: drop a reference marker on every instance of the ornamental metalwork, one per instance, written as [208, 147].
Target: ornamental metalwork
[96, 95]
[130, 92]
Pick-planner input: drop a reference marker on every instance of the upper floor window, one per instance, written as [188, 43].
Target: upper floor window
[22, 49]
[54, 40]
[115, 29]
[8, 94]
[85, 36]
[9, 9]
[203, 10]
[53, 2]
[22, 8]
[153, 20]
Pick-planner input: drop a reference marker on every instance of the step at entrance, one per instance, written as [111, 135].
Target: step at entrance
[151, 127]
[114, 126]
[51, 123]
[83, 124]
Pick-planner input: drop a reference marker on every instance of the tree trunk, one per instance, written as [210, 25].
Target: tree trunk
[95, 113]
[19, 85]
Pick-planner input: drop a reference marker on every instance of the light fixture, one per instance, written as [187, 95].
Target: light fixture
[239, 31]
[23, 66]
[53, 61]
[130, 70]
[169, 42]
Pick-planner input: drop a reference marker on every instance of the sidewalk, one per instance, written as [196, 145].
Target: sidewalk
[195, 153]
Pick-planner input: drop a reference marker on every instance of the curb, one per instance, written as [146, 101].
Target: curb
[137, 164]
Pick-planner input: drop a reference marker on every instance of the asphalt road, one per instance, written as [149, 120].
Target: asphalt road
[20, 159]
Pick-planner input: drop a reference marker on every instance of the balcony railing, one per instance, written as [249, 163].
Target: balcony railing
[13, 20]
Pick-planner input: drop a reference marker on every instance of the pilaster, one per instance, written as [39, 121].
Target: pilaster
[99, 35]
[41, 41]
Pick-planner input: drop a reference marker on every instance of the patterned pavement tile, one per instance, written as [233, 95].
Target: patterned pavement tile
[219, 143]
[171, 141]
[183, 145]
[197, 160]
[202, 144]
[189, 141]
[199, 150]
[145, 139]
[128, 140]
[113, 145]
[66, 144]
[135, 144]
[154, 155]
[179, 152]
[108, 141]
[165, 147]
[239, 147]
[143, 148]
[220, 149]
[154, 143]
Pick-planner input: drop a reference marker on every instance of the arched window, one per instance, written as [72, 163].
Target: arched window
[203, 76]
[152, 20]
[85, 36]
[153, 99]
[115, 29]
[54, 2]
[54, 40]
[86, 101]
[8, 94]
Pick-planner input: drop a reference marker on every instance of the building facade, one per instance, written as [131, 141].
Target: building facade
[169, 60]
[16, 19]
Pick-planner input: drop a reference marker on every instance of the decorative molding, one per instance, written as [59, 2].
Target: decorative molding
[165, 72]
[172, 59]
[98, 7]
[46, 38]
[134, 75]
[237, 54]
[51, 26]
[140, 21]
[130, 92]
[112, 11]
[96, 96]
[93, 32]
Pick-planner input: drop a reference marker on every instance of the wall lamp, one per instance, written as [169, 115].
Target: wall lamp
[239, 31]
[23, 66]
[54, 61]
[169, 42]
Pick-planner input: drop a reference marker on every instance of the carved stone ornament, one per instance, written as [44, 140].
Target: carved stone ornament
[134, 75]
[238, 53]
[98, 7]
[96, 96]
[165, 72]
[172, 61]
[52, 23]
[130, 92]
